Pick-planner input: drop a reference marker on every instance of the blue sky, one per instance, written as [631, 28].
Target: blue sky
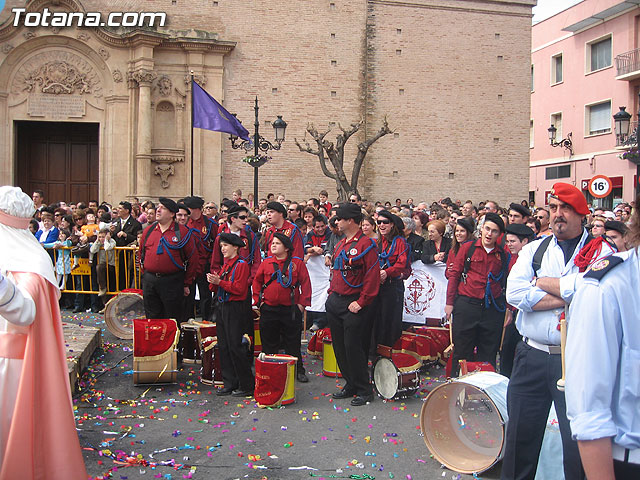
[547, 8]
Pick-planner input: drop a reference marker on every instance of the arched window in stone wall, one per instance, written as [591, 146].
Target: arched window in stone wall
[164, 128]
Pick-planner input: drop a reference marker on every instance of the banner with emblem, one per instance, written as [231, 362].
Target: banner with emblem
[425, 292]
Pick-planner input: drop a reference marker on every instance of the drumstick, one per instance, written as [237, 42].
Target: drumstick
[504, 328]
[563, 343]
[304, 327]
[450, 347]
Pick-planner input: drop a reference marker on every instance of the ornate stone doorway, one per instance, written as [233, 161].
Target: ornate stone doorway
[60, 158]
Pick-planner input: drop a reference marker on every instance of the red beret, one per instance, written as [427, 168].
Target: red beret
[569, 194]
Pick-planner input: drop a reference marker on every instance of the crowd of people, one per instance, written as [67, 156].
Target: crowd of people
[512, 273]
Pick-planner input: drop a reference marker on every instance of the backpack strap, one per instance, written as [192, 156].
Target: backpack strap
[467, 262]
[264, 286]
[537, 257]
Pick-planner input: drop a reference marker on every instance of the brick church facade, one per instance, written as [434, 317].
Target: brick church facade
[98, 112]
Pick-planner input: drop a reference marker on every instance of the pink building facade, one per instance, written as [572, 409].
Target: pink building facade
[585, 64]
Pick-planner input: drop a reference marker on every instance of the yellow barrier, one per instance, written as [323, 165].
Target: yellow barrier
[125, 273]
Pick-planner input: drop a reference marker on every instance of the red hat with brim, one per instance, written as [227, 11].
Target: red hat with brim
[571, 195]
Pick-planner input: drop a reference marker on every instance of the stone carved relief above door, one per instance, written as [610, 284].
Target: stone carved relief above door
[57, 73]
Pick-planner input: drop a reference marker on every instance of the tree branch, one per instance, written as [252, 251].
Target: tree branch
[318, 137]
[363, 148]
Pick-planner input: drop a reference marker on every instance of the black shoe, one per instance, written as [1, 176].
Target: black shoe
[242, 393]
[361, 400]
[344, 393]
[224, 391]
[302, 377]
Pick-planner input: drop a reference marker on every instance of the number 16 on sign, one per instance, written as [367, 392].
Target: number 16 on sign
[600, 186]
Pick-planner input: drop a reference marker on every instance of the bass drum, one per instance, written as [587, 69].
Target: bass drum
[121, 310]
[464, 422]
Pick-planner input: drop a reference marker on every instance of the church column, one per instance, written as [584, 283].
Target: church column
[144, 78]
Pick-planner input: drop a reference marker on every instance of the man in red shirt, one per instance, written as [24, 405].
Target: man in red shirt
[166, 251]
[475, 294]
[355, 282]
[205, 231]
[281, 290]
[276, 213]
[230, 287]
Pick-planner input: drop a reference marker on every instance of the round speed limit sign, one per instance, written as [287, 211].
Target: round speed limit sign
[600, 186]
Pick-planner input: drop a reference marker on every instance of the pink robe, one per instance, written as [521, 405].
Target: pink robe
[42, 442]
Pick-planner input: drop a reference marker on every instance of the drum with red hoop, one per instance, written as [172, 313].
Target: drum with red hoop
[210, 372]
[396, 377]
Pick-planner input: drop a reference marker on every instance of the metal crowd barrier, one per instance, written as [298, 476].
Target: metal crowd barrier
[83, 279]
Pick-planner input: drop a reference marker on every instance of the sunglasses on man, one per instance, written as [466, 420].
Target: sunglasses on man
[383, 222]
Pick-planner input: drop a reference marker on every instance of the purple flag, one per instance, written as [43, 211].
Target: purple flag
[210, 115]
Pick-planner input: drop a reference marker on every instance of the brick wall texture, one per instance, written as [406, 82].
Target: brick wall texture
[451, 77]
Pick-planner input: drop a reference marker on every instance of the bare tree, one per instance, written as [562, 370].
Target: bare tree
[326, 149]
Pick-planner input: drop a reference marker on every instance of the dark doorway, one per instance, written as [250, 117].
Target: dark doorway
[59, 158]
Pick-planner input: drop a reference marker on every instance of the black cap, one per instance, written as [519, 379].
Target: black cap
[237, 209]
[231, 239]
[169, 204]
[495, 218]
[346, 211]
[182, 206]
[228, 203]
[193, 202]
[286, 241]
[616, 226]
[524, 211]
[396, 220]
[277, 207]
[467, 223]
[521, 231]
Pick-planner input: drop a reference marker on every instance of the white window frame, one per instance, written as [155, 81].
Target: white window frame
[553, 68]
[587, 53]
[552, 122]
[587, 118]
[532, 131]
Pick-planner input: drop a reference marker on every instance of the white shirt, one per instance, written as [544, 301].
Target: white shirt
[603, 356]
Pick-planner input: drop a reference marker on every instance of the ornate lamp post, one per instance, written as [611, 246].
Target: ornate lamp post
[625, 138]
[565, 142]
[260, 144]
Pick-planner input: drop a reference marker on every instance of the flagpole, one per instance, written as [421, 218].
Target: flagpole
[192, 80]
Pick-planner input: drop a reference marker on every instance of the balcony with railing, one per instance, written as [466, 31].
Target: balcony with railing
[628, 65]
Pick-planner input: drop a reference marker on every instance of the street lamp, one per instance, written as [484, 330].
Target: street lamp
[260, 144]
[625, 138]
[565, 142]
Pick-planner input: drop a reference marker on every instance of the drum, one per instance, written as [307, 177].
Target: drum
[210, 373]
[275, 380]
[257, 341]
[154, 351]
[396, 377]
[464, 422]
[329, 363]
[189, 345]
[121, 310]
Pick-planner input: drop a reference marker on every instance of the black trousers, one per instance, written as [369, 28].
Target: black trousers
[508, 352]
[626, 471]
[234, 361]
[205, 298]
[475, 326]
[387, 325]
[350, 334]
[163, 297]
[281, 327]
[532, 388]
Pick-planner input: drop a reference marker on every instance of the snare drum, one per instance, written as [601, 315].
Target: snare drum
[189, 345]
[210, 373]
[121, 310]
[464, 422]
[275, 380]
[396, 377]
[330, 366]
